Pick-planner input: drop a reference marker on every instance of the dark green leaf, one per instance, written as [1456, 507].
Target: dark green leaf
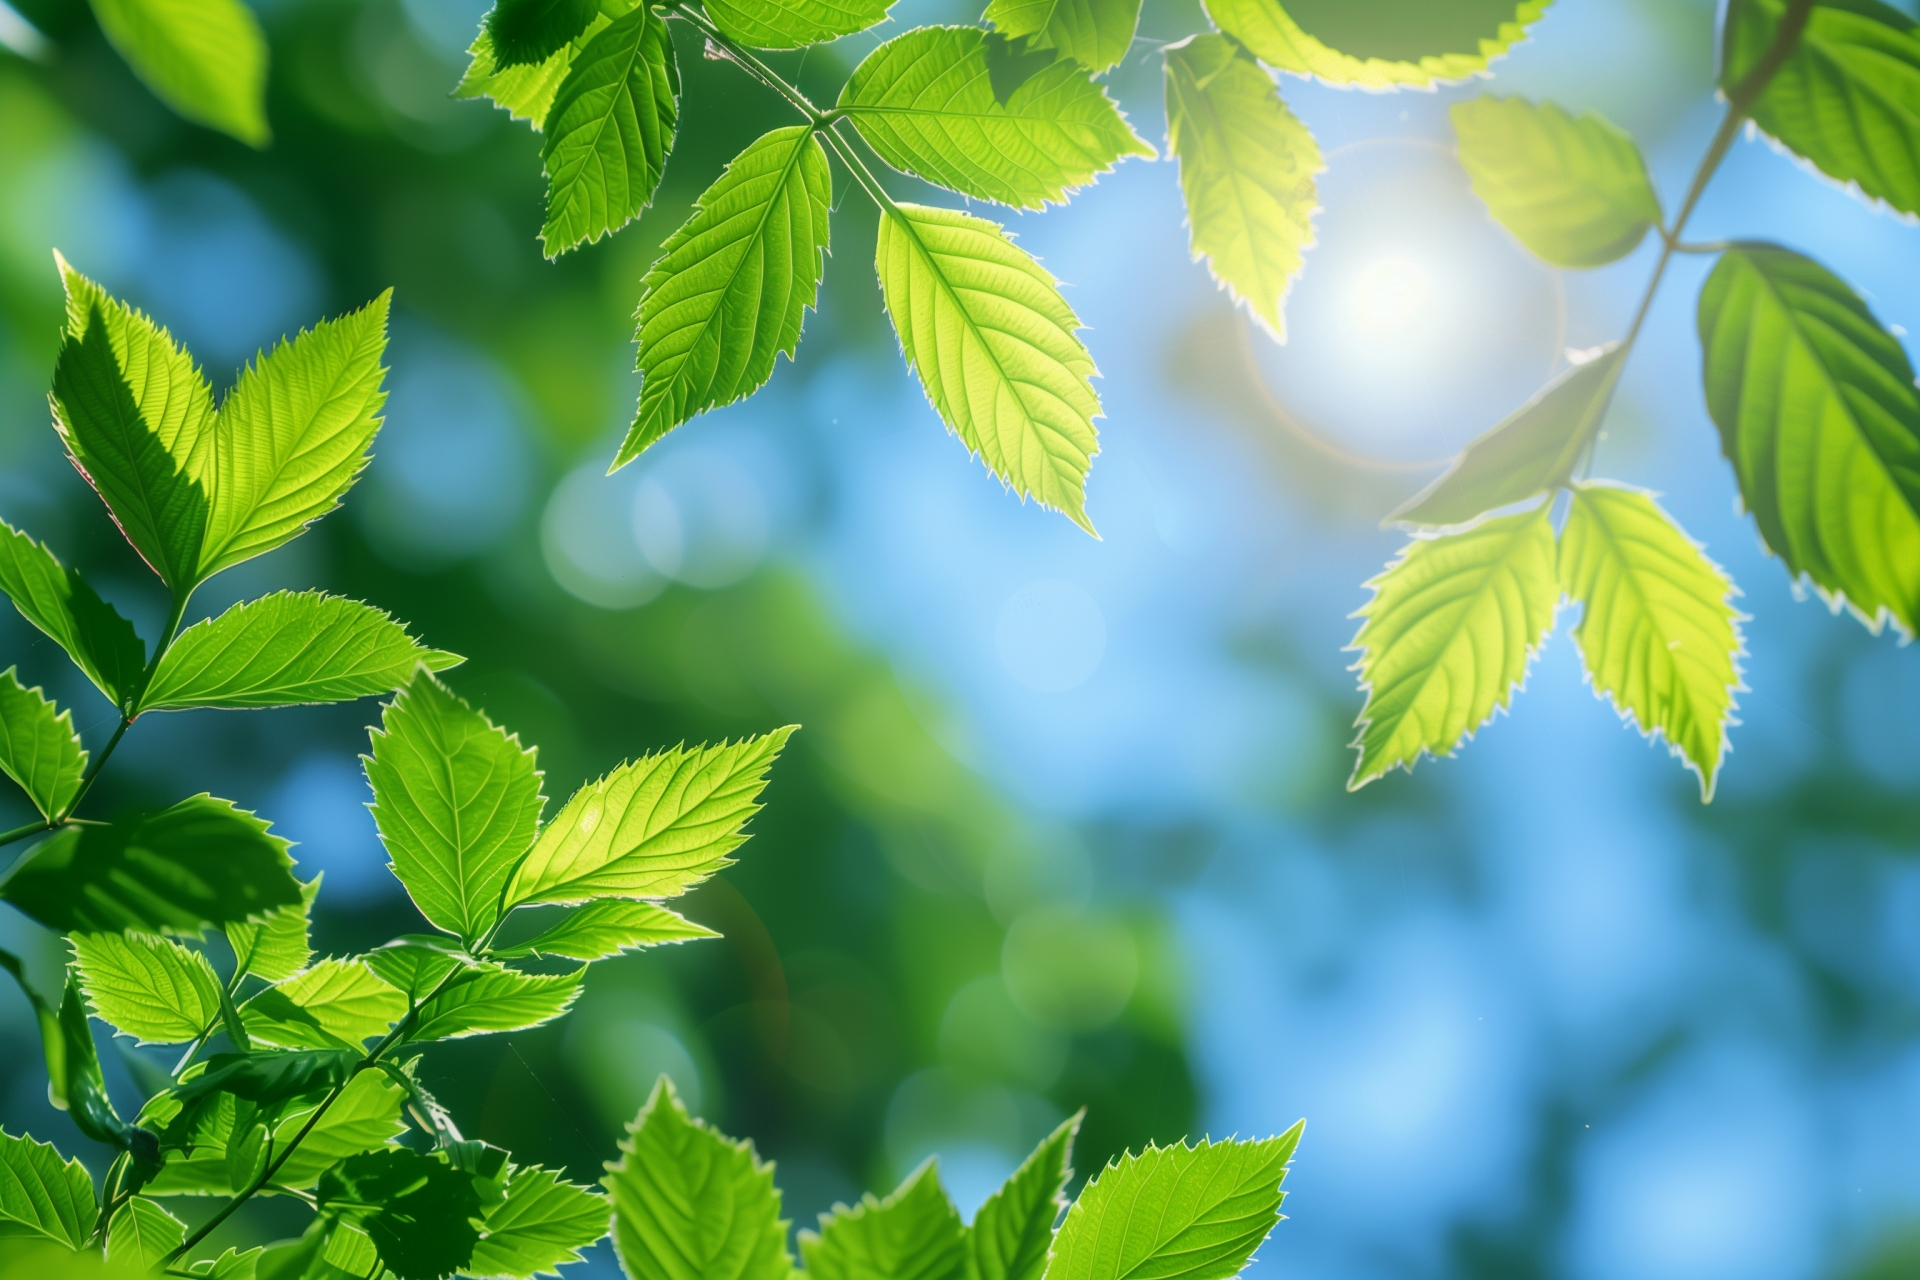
[419, 1212]
[913, 1234]
[524, 32]
[42, 1194]
[495, 998]
[794, 24]
[1095, 33]
[1379, 44]
[58, 600]
[1014, 1229]
[606, 928]
[207, 59]
[38, 747]
[74, 1081]
[271, 1075]
[542, 1222]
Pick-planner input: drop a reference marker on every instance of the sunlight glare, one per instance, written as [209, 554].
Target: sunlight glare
[1391, 295]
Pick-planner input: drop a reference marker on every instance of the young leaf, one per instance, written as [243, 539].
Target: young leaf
[366, 1116]
[1379, 44]
[59, 602]
[335, 1004]
[608, 927]
[732, 286]
[1014, 1229]
[200, 864]
[38, 747]
[492, 998]
[1176, 1213]
[914, 1234]
[528, 32]
[609, 131]
[143, 1233]
[1817, 411]
[1094, 33]
[152, 989]
[1530, 451]
[542, 1222]
[993, 342]
[650, 829]
[691, 1204]
[293, 434]
[1659, 634]
[794, 24]
[1573, 190]
[415, 964]
[288, 648]
[1448, 635]
[43, 1195]
[207, 59]
[418, 1211]
[278, 945]
[456, 801]
[1247, 169]
[936, 103]
[1847, 99]
[137, 420]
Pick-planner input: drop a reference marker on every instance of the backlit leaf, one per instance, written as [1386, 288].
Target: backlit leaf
[493, 998]
[1095, 33]
[414, 965]
[794, 24]
[38, 747]
[366, 1116]
[528, 32]
[336, 1003]
[59, 602]
[143, 1233]
[278, 945]
[913, 1234]
[152, 989]
[1013, 1231]
[1379, 44]
[42, 1194]
[207, 59]
[526, 92]
[608, 927]
[542, 1222]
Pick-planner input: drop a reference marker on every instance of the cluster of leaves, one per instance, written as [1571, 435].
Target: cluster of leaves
[1814, 400]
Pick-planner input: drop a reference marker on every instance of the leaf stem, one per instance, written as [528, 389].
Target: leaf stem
[21, 833]
[748, 62]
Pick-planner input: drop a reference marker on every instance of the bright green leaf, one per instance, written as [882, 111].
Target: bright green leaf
[492, 998]
[279, 944]
[1014, 1229]
[1247, 169]
[415, 964]
[364, 1117]
[526, 92]
[234, 1264]
[609, 131]
[1095, 33]
[966, 111]
[336, 1003]
[913, 1234]
[1379, 44]
[650, 829]
[42, 1194]
[152, 989]
[59, 602]
[528, 32]
[38, 747]
[143, 1233]
[207, 59]
[994, 344]
[542, 1222]
[608, 927]
[1448, 635]
[418, 1211]
[288, 648]
[1817, 411]
[732, 285]
[794, 24]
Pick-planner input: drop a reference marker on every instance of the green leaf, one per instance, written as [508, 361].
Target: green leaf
[1379, 44]
[418, 1211]
[608, 927]
[542, 1222]
[280, 944]
[58, 600]
[44, 1195]
[415, 964]
[207, 59]
[456, 801]
[1247, 169]
[528, 32]
[1533, 449]
[364, 1117]
[137, 420]
[1658, 632]
[335, 1004]
[268, 1076]
[74, 1080]
[1847, 99]
[928, 102]
[152, 989]
[650, 829]
[231, 1265]
[526, 92]
[1573, 190]
[293, 434]
[1448, 635]
[985, 328]
[609, 131]
[1014, 1229]
[493, 998]
[38, 747]
[200, 864]
[142, 1232]
[794, 24]
[732, 286]
[285, 649]
[1818, 413]
[690, 1203]
[914, 1234]
[1095, 33]
[1176, 1213]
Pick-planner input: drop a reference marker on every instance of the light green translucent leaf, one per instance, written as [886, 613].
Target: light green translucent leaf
[1448, 635]
[288, 648]
[732, 286]
[38, 747]
[335, 1004]
[1176, 1213]
[1247, 169]
[994, 344]
[365, 1116]
[608, 927]
[279, 944]
[143, 1233]
[526, 92]
[293, 435]
[542, 1222]
[1532, 450]
[692, 1204]
[44, 1195]
[1573, 190]
[1818, 414]
[207, 59]
[415, 964]
[1379, 44]
[152, 989]
[492, 998]
[456, 801]
[59, 602]
[528, 32]
[1094, 33]
[137, 419]
[794, 24]
[1658, 632]
[349, 1252]
[199, 864]
[1847, 99]
[1013, 1231]
[653, 828]
[234, 1264]
[975, 114]
[913, 1234]
[609, 131]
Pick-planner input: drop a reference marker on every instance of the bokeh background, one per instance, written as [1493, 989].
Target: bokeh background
[1066, 825]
